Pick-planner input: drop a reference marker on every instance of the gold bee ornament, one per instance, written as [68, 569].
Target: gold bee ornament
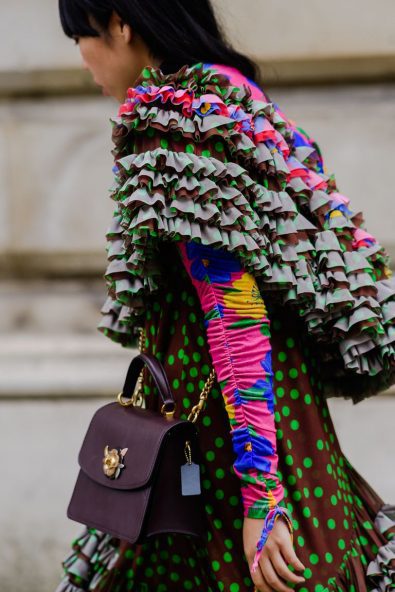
[113, 461]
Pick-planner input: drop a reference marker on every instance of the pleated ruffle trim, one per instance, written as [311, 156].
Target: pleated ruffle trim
[93, 556]
[197, 158]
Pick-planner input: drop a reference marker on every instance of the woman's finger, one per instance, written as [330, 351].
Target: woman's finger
[283, 570]
[260, 584]
[290, 556]
[271, 576]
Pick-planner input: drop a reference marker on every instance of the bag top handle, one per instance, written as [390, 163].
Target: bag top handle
[158, 374]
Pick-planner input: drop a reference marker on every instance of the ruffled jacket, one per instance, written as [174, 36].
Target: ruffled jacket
[204, 155]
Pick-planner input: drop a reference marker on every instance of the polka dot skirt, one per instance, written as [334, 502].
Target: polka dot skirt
[333, 507]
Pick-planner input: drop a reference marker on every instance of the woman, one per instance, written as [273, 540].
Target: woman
[232, 249]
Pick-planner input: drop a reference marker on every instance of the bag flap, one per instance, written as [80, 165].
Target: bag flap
[141, 431]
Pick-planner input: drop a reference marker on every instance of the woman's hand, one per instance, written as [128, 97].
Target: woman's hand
[272, 571]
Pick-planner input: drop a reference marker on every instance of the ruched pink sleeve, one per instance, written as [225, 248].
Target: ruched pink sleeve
[238, 335]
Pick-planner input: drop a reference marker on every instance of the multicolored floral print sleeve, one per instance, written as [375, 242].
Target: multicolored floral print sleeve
[238, 334]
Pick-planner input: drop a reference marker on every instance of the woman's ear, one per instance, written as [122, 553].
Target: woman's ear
[117, 27]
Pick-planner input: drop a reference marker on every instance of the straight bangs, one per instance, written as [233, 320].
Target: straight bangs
[74, 19]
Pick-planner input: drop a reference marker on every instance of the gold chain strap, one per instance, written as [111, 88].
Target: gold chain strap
[138, 397]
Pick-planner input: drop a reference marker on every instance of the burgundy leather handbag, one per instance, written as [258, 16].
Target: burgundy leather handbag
[139, 469]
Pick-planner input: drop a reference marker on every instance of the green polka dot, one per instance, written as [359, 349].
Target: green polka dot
[280, 391]
[316, 522]
[307, 573]
[307, 399]
[220, 473]
[234, 500]
[331, 523]
[314, 559]
[219, 147]
[290, 342]
[189, 148]
[234, 587]
[228, 544]
[282, 356]
[318, 492]
[279, 375]
[308, 462]
[300, 540]
[320, 444]
[303, 367]
[333, 500]
[176, 383]
[193, 372]
[306, 512]
[285, 411]
[219, 442]
[289, 460]
[216, 565]
[206, 421]
[174, 576]
[293, 373]
[210, 455]
[228, 557]
[219, 494]
[294, 424]
[328, 557]
[294, 393]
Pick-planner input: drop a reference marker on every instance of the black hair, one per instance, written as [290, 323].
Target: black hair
[177, 31]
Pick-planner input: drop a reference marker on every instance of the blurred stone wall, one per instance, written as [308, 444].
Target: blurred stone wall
[331, 68]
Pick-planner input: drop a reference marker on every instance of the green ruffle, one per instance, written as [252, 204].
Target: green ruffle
[245, 200]
[94, 555]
